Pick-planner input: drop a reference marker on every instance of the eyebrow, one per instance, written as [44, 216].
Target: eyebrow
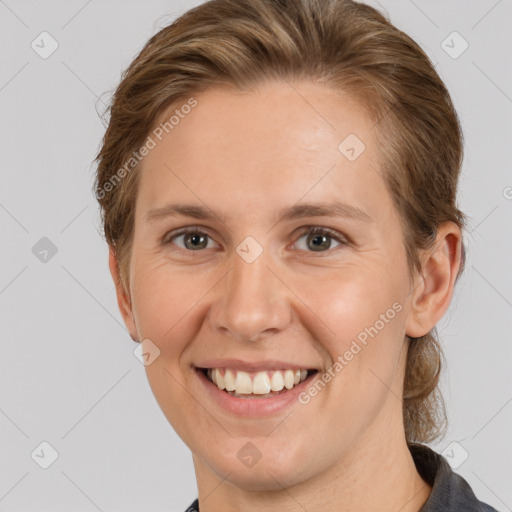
[296, 211]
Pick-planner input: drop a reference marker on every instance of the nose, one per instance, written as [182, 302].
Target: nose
[252, 302]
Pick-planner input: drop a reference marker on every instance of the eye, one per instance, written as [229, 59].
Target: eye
[318, 239]
[193, 239]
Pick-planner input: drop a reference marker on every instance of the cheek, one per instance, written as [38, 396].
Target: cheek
[347, 301]
[358, 320]
[165, 304]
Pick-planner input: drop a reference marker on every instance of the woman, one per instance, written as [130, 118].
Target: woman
[278, 188]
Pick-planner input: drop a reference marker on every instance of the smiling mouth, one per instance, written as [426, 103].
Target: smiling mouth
[262, 384]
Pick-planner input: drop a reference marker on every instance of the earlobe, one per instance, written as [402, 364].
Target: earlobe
[123, 297]
[433, 290]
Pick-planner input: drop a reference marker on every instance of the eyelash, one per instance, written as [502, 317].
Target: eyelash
[315, 230]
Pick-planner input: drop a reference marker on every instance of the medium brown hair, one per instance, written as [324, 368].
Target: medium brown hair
[346, 45]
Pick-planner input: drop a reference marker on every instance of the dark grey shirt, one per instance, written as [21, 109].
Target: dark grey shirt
[450, 492]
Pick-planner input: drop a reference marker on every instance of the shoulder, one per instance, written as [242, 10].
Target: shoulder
[450, 492]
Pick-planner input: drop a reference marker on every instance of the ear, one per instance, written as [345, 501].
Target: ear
[123, 297]
[433, 290]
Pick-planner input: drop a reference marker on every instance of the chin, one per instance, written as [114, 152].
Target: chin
[274, 469]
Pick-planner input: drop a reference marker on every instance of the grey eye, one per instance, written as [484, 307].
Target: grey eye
[319, 239]
[192, 240]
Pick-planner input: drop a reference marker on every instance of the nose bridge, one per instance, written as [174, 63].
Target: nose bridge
[252, 301]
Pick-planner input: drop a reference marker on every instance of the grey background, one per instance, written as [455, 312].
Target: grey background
[68, 375]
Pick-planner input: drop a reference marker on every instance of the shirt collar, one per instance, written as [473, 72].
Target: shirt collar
[450, 492]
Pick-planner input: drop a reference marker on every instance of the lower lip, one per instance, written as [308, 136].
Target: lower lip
[253, 407]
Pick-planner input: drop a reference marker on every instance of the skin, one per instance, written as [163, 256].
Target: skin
[246, 156]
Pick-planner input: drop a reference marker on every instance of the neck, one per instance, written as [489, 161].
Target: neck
[376, 474]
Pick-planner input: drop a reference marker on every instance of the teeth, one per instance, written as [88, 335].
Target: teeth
[277, 382]
[218, 379]
[229, 380]
[243, 383]
[259, 383]
[289, 379]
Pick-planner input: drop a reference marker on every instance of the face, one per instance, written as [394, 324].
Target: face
[240, 281]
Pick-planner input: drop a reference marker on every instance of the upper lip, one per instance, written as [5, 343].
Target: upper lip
[253, 366]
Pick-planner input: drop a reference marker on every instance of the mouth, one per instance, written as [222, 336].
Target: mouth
[256, 385]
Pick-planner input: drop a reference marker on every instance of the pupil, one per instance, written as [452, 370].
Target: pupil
[324, 240]
[194, 238]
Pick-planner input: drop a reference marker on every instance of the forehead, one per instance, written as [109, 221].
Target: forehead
[269, 145]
